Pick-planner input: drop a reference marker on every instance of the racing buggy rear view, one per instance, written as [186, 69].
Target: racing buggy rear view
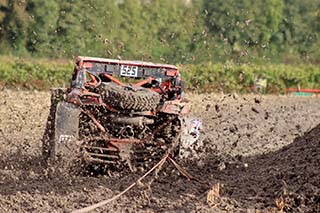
[117, 113]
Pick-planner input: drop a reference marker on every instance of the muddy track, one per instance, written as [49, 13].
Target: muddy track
[258, 148]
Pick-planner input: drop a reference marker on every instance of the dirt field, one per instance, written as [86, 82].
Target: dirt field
[258, 149]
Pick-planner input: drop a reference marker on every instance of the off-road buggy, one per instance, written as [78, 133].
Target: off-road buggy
[103, 120]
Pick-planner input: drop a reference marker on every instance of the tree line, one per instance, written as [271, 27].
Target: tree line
[171, 31]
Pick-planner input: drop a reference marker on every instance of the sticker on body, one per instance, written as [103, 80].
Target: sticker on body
[130, 71]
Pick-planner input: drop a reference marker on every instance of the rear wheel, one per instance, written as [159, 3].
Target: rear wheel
[166, 141]
[49, 133]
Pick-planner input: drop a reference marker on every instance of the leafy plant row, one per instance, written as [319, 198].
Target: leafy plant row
[230, 77]
[35, 75]
[208, 77]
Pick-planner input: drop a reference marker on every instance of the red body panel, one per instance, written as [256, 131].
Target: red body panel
[124, 62]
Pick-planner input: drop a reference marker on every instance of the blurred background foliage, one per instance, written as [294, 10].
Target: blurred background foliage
[172, 31]
[221, 45]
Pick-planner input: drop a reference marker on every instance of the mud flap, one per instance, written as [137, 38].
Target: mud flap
[66, 130]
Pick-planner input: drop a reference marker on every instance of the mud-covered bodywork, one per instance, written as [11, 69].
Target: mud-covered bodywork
[101, 119]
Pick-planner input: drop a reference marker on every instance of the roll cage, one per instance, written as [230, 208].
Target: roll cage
[90, 72]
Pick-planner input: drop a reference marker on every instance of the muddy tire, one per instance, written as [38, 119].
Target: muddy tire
[49, 133]
[126, 98]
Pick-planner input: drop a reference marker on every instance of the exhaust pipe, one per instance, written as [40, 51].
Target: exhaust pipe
[136, 121]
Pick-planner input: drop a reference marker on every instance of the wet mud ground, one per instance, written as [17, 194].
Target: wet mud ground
[259, 149]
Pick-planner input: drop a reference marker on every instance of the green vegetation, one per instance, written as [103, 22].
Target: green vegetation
[227, 77]
[230, 77]
[221, 45]
[172, 31]
[31, 74]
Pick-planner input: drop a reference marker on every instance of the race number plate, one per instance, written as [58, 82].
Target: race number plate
[130, 71]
